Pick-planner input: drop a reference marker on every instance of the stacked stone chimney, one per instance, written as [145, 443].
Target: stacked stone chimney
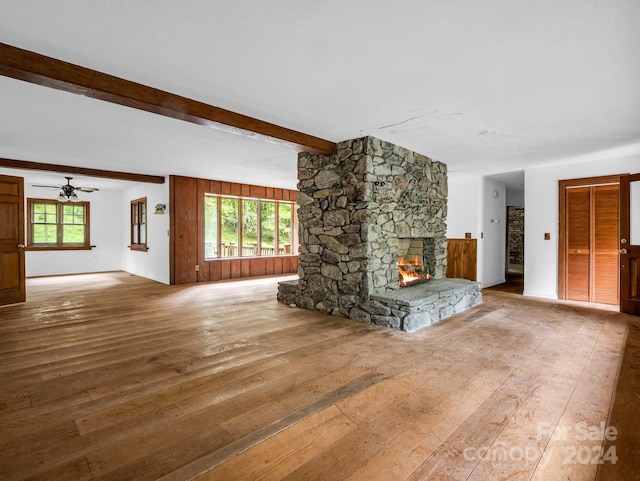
[355, 209]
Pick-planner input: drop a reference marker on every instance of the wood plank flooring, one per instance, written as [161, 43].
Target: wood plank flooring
[114, 377]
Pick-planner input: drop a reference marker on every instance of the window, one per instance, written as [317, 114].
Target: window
[210, 227]
[139, 224]
[230, 230]
[249, 227]
[268, 227]
[285, 213]
[238, 227]
[58, 225]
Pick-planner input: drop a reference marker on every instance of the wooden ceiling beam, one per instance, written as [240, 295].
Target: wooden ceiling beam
[68, 169]
[50, 72]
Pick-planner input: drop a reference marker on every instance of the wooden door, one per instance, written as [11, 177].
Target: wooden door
[12, 271]
[605, 213]
[578, 234]
[630, 244]
[589, 269]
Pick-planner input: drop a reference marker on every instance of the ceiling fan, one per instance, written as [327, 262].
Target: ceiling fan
[68, 191]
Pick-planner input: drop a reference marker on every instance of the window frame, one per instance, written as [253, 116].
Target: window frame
[292, 251]
[59, 245]
[136, 227]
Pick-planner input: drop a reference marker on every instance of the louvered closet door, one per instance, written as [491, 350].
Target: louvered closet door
[592, 215]
[606, 212]
[578, 226]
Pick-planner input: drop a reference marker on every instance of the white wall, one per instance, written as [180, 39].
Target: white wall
[492, 248]
[109, 224]
[515, 197]
[471, 206]
[153, 264]
[463, 208]
[541, 207]
[105, 220]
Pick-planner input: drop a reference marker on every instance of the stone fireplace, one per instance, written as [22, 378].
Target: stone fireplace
[361, 211]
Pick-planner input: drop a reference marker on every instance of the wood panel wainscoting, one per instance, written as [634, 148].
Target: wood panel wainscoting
[588, 261]
[462, 258]
[186, 207]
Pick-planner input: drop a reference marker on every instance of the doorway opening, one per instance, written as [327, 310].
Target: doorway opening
[515, 239]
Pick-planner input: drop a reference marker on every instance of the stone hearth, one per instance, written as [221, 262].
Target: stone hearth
[412, 307]
[421, 305]
[357, 210]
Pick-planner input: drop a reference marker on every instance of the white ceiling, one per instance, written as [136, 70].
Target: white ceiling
[486, 86]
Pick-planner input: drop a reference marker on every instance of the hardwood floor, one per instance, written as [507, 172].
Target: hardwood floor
[114, 377]
[514, 284]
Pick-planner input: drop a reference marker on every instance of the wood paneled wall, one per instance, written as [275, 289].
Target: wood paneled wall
[462, 258]
[186, 206]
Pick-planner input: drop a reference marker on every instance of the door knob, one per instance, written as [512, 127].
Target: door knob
[623, 251]
[21, 246]
[623, 241]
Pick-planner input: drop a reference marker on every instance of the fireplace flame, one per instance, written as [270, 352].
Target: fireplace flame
[411, 270]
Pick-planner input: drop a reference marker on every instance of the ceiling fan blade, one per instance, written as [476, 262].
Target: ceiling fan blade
[47, 186]
[68, 189]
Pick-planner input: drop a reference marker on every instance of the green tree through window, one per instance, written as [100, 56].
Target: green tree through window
[210, 227]
[268, 227]
[236, 227]
[284, 226]
[250, 227]
[57, 225]
[73, 224]
[230, 222]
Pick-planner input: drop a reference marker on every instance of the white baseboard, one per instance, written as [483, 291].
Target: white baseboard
[492, 283]
[540, 295]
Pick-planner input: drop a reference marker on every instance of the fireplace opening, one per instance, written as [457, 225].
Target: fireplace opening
[414, 255]
[411, 270]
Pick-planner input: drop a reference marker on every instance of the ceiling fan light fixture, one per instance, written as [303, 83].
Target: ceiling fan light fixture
[68, 191]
